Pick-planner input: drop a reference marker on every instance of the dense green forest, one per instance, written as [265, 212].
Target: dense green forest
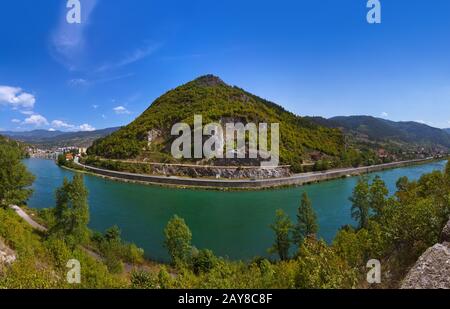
[393, 229]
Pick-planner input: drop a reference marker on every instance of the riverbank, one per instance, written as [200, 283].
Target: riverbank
[250, 184]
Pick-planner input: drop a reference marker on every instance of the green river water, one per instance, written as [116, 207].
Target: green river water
[232, 224]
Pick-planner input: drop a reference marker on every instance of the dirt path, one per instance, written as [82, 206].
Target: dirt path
[28, 219]
[41, 228]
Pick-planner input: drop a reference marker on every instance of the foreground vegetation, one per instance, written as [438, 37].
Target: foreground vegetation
[393, 229]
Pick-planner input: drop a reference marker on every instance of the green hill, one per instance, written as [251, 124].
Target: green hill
[216, 101]
[377, 129]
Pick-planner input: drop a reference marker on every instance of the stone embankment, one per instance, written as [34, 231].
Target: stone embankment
[251, 183]
[432, 270]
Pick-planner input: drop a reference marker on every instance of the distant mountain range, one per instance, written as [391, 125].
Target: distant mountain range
[50, 139]
[377, 129]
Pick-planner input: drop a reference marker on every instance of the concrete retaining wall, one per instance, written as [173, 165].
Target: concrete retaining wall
[298, 179]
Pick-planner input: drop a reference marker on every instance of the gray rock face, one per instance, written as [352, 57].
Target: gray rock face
[7, 256]
[432, 270]
[445, 235]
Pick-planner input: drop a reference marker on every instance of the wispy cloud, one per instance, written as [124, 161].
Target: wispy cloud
[81, 82]
[132, 57]
[68, 40]
[384, 114]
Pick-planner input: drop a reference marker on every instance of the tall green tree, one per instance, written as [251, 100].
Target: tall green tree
[72, 211]
[361, 203]
[447, 173]
[378, 194]
[178, 239]
[282, 228]
[14, 177]
[306, 221]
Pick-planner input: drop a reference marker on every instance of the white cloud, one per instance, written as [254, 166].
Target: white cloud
[16, 98]
[384, 114]
[51, 130]
[78, 82]
[87, 127]
[15, 121]
[120, 110]
[36, 120]
[62, 125]
[59, 124]
[28, 113]
[95, 106]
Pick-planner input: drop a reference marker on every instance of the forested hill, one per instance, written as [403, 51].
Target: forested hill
[216, 101]
[13, 145]
[378, 129]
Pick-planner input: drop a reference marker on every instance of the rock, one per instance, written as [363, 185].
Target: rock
[445, 235]
[432, 270]
[7, 256]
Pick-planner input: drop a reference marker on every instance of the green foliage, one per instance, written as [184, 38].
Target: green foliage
[178, 239]
[378, 194]
[282, 228]
[144, 280]
[115, 251]
[306, 221]
[319, 267]
[41, 262]
[72, 211]
[14, 177]
[203, 261]
[360, 203]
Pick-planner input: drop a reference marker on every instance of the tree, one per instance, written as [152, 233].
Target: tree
[178, 239]
[360, 203]
[113, 234]
[402, 184]
[282, 228]
[447, 173]
[72, 211]
[378, 195]
[14, 177]
[319, 267]
[306, 221]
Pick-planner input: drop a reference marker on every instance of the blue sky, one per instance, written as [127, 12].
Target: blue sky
[314, 57]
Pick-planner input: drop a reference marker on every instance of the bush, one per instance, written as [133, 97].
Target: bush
[203, 261]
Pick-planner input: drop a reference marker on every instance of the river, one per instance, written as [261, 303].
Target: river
[232, 224]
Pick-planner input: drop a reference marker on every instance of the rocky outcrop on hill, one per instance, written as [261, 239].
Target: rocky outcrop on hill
[445, 235]
[432, 270]
[7, 256]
